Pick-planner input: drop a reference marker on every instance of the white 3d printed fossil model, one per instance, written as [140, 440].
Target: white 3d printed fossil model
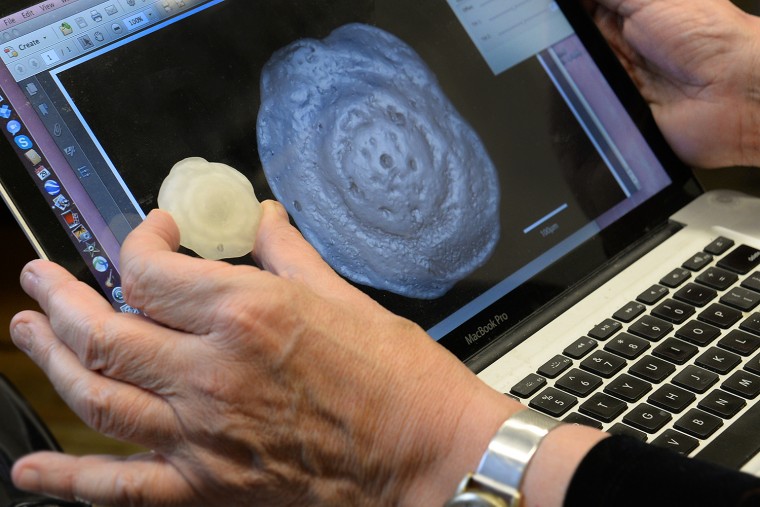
[214, 207]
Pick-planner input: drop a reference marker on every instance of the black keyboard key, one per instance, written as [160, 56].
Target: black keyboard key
[580, 347]
[740, 342]
[673, 311]
[740, 442]
[752, 282]
[695, 379]
[753, 365]
[741, 299]
[672, 398]
[675, 350]
[676, 441]
[717, 278]
[605, 329]
[647, 418]
[579, 382]
[751, 324]
[675, 278]
[528, 386]
[741, 259]
[698, 261]
[697, 295]
[653, 294]
[555, 366]
[722, 404]
[554, 402]
[743, 383]
[698, 424]
[718, 360]
[720, 315]
[629, 312]
[575, 418]
[624, 429]
[603, 407]
[627, 345]
[698, 333]
[651, 328]
[652, 369]
[719, 246]
[603, 364]
[628, 388]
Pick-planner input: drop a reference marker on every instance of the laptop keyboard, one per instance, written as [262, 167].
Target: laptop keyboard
[676, 366]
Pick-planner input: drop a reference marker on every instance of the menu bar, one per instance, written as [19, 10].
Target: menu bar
[13, 20]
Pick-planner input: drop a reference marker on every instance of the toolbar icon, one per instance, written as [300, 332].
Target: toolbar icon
[10, 52]
[23, 142]
[66, 29]
[100, 264]
[42, 172]
[71, 219]
[33, 157]
[82, 234]
[92, 249]
[52, 187]
[14, 127]
[5, 111]
[61, 202]
[86, 42]
[118, 295]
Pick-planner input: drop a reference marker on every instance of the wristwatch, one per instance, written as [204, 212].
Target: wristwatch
[497, 481]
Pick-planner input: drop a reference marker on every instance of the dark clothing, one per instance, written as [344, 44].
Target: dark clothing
[622, 472]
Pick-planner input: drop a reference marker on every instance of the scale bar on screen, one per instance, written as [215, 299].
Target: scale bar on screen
[545, 219]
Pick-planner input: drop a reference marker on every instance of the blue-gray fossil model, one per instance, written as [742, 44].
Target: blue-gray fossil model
[377, 168]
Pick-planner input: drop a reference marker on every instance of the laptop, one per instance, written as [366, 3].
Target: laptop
[482, 167]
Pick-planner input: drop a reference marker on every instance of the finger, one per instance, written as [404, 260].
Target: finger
[114, 408]
[622, 7]
[46, 283]
[179, 291]
[140, 480]
[123, 347]
[282, 250]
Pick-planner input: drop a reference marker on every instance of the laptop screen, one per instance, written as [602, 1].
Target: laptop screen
[441, 155]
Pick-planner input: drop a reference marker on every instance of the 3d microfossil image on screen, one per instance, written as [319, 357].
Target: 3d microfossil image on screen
[377, 168]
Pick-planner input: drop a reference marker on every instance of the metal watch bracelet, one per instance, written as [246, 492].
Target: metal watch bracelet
[497, 481]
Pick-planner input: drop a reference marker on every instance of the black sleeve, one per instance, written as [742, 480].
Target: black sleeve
[622, 472]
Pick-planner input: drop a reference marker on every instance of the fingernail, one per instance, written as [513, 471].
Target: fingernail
[29, 279]
[27, 479]
[22, 336]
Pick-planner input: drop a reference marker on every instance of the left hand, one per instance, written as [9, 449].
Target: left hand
[696, 63]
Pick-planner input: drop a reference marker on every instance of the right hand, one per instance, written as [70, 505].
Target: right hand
[275, 386]
[697, 62]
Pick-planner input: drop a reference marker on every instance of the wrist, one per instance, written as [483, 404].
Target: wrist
[533, 457]
[750, 141]
[475, 426]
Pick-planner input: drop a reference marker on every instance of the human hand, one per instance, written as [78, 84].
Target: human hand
[697, 62]
[274, 386]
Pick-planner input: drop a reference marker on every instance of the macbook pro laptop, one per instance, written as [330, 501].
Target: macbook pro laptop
[482, 167]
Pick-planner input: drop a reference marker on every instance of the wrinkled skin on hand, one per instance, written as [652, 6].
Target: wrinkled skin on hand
[696, 62]
[275, 386]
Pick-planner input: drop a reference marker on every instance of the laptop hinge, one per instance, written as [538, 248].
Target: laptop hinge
[570, 297]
